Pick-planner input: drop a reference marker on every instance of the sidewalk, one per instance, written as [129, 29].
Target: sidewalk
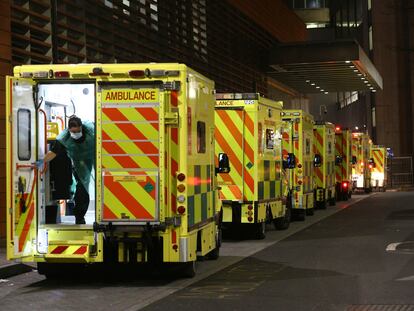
[10, 268]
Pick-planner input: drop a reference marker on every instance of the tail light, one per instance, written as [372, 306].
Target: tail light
[345, 185]
[181, 209]
[181, 177]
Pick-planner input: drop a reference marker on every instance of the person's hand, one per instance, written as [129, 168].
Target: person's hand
[39, 163]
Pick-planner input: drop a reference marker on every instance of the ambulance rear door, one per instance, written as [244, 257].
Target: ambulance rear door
[22, 175]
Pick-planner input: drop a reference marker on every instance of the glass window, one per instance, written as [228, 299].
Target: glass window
[24, 134]
[374, 119]
[269, 138]
[371, 42]
[201, 137]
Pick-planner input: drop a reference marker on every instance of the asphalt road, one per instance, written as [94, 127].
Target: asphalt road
[350, 257]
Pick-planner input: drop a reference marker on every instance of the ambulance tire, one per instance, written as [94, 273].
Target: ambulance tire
[260, 230]
[188, 269]
[310, 212]
[283, 223]
[321, 205]
[215, 253]
[300, 215]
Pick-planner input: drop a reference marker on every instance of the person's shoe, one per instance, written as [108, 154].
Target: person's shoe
[80, 221]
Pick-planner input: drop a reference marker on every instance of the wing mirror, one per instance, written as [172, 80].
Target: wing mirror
[290, 162]
[317, 160]
[223, 164]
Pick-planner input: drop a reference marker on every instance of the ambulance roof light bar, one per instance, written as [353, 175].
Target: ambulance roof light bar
[237, 96]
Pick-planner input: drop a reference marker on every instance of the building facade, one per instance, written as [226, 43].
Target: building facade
[226, 40]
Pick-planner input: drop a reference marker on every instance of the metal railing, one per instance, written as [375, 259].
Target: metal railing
[400, 172]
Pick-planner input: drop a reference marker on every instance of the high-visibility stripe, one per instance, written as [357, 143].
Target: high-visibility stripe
[60, 249]
[249, 123]
[126, 200]
[232, 129]
[81, 250]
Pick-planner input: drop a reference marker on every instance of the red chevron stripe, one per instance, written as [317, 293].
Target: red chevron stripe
[60, 249]
[233, 130]
[128, 201]
[81, 250]
[108, 214]
[249, 123]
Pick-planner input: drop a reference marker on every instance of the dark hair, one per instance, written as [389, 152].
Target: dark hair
[74, 121]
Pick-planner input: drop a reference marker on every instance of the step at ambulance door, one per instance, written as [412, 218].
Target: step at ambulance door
[131, 149]
[21, 173]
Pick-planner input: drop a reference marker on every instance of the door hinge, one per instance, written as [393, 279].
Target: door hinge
[171, 118]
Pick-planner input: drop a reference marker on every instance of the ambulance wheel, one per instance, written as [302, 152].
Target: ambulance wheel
[283, 223]
[215, 253]
[310, 212]
[260, 230]
[188, 269]
[321, 205]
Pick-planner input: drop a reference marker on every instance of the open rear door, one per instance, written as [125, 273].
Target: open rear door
[21, 173]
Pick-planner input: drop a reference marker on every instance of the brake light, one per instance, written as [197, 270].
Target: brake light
[345, 185]
[136, 73]
[62, 74]
[337, 128]
[181, 177]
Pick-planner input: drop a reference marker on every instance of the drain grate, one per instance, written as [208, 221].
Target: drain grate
[380, 308]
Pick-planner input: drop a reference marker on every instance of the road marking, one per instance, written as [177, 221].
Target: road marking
[245, 249]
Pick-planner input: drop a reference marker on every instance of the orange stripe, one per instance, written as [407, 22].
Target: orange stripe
[319, 173]
[249, 151]
[107, 213]
[319, 138]
[26, 227]
[124, 161]
[81, 250]
[127, 199]
[174, 98]
[174, 135]
[60, 249]
[249, 123]
[232, 128]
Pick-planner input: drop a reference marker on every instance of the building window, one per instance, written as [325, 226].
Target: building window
[347, 98]
[201, 137]
[24, 134]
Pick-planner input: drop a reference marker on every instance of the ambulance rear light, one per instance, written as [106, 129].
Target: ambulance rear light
[98, 71]
[62, 74]
[40, 74]
[181, 177]
[181, 188]
[136, 73]
[344, 185]
[181, 209]
[337, 128]
[250, 207]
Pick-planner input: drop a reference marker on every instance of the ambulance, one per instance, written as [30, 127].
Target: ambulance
[153, 192]
[249, 131]
[343, 164]
[378, 167]
[324, 164]
[361, 172]
[298, 146]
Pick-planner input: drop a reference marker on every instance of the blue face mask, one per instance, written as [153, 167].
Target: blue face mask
[76, 136]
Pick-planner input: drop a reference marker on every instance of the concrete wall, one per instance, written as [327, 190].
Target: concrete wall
[5, 69]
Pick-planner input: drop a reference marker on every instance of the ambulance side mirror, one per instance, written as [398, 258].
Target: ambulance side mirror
[354, 160]
[223, 164]
[317, 160]
[338, 160]
[290, 162]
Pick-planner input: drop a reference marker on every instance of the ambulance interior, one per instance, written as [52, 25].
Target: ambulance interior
[57, 103]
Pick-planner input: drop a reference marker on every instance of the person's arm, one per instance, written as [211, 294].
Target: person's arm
[49, 156]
